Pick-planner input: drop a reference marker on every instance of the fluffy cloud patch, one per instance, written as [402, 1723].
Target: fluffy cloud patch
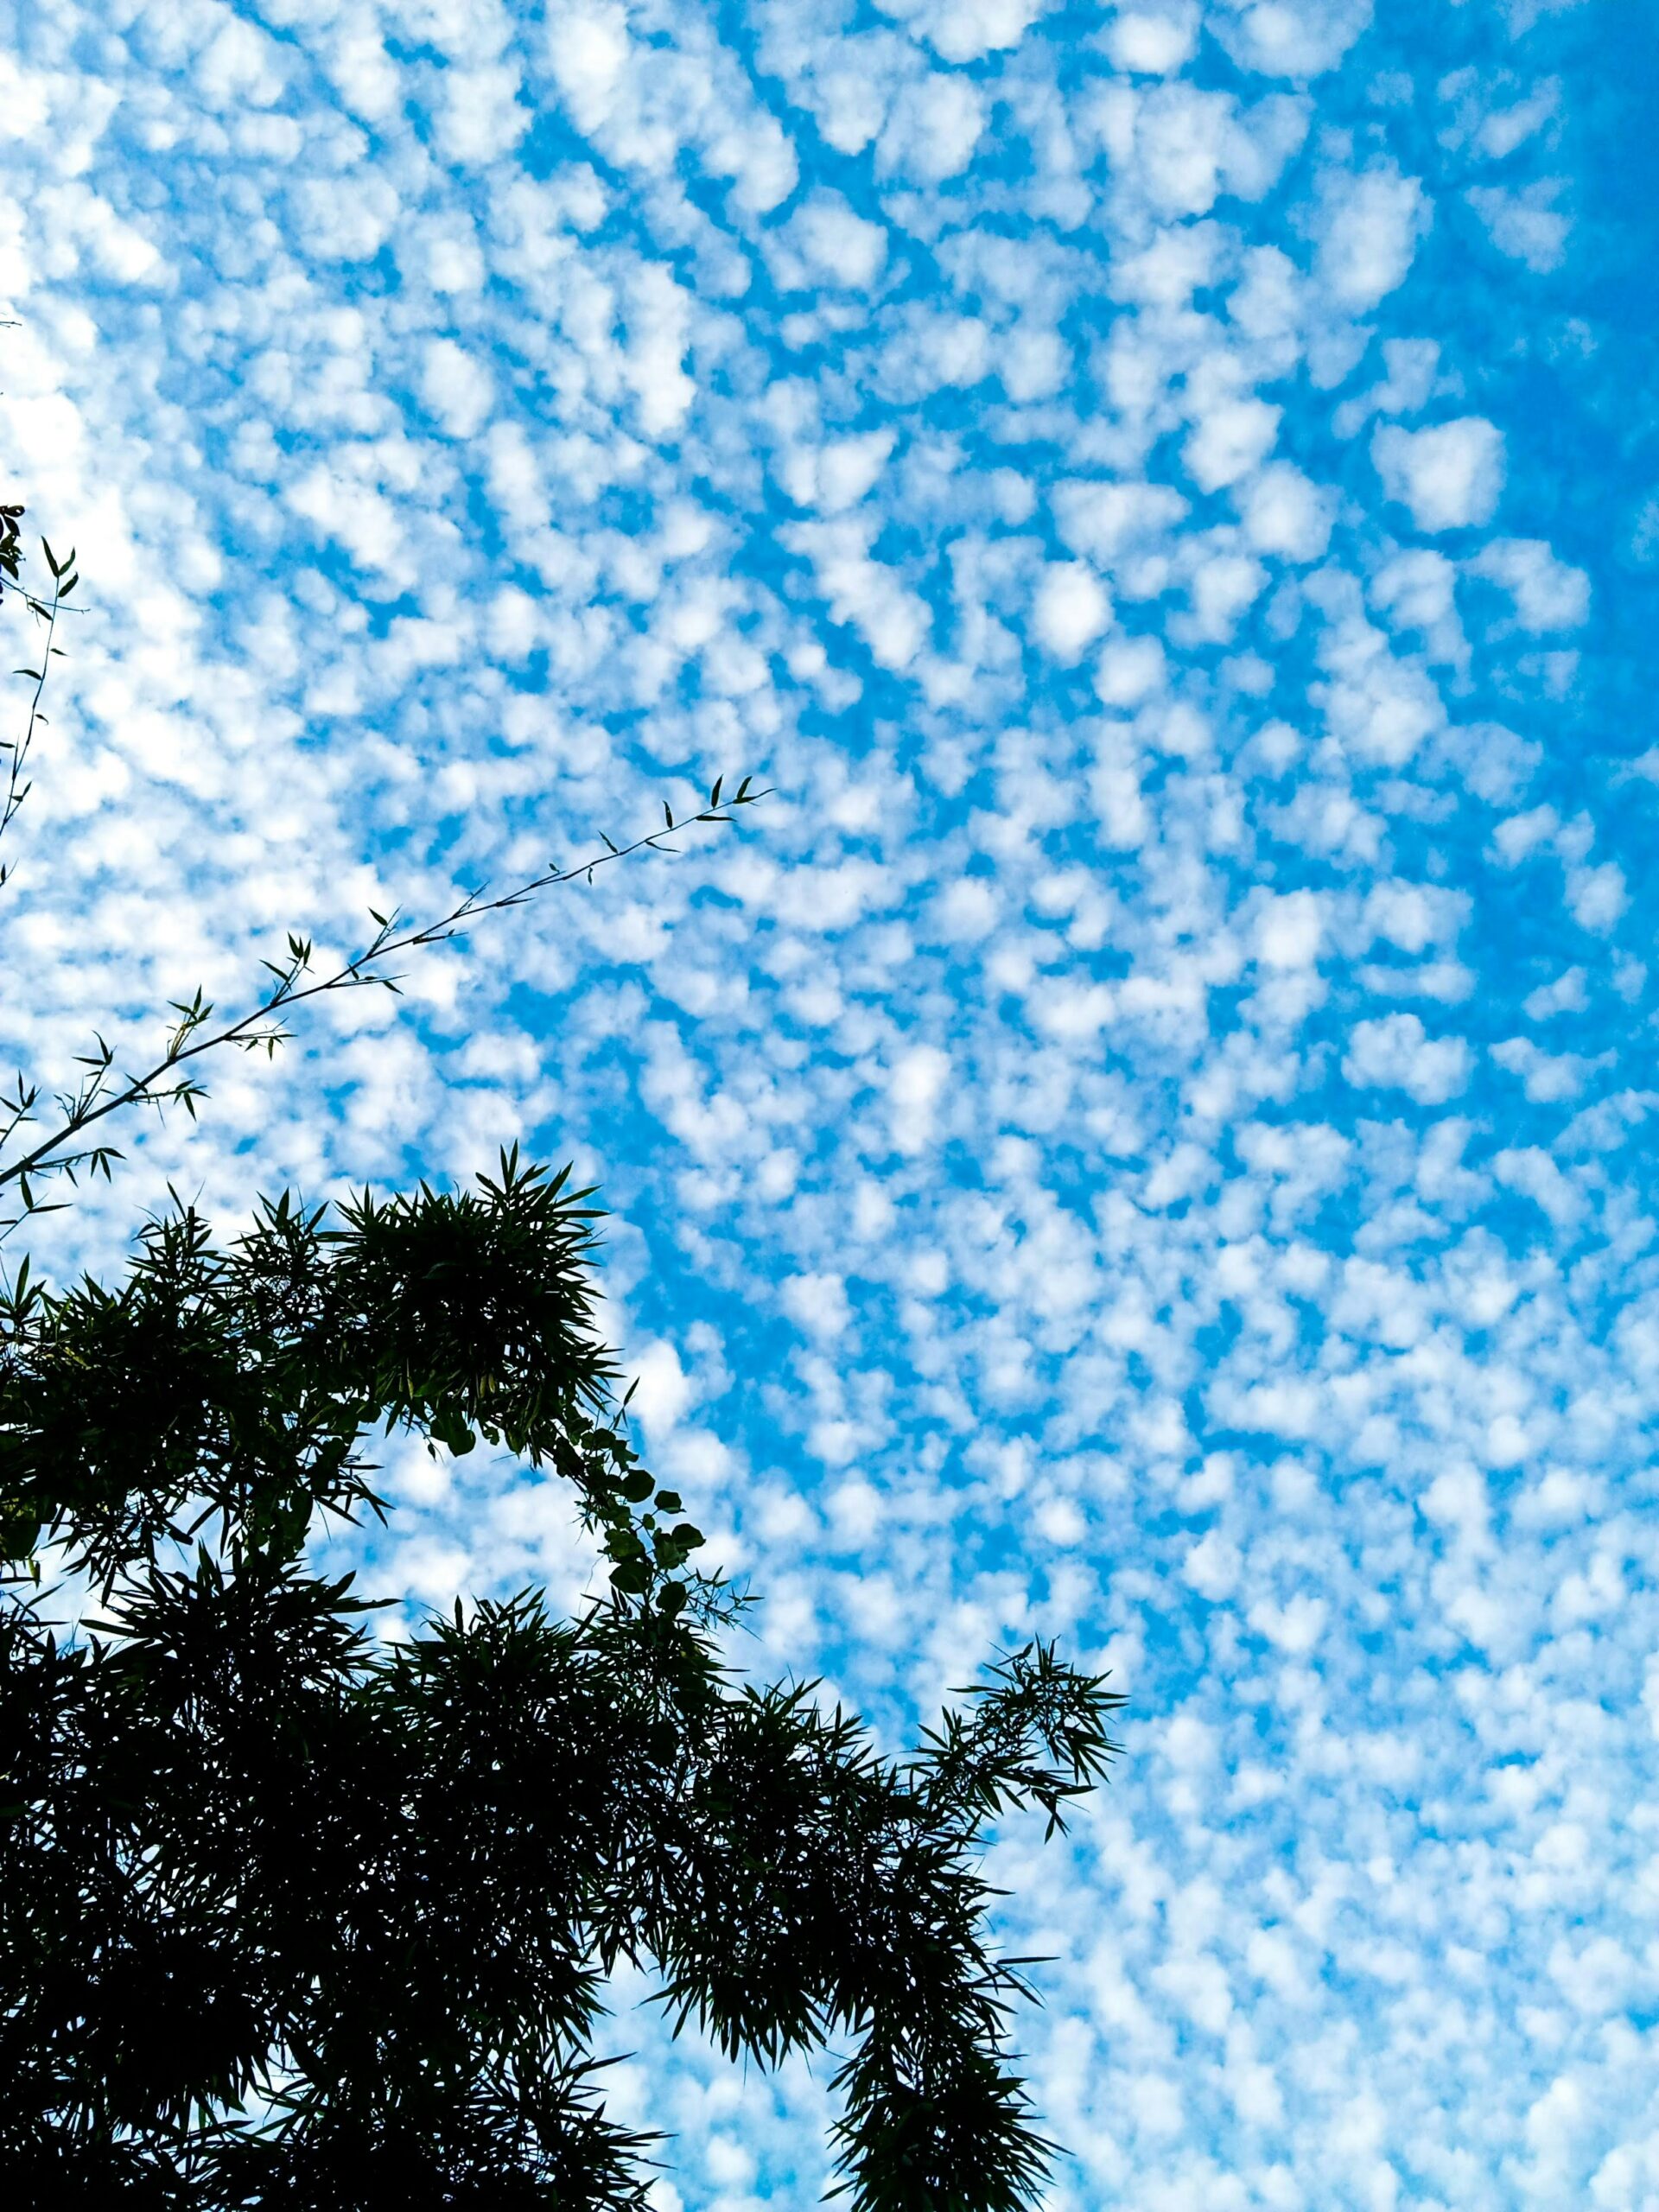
[967, 30]
[1071, 609]
[1228, 440]
[1285, 513]
[1449, 476]
[1289, 929]
[456, 387]
[1546, 594]
[836, 245]
[1153, 44]
[1369, 236]
[1525, 225]
[1397, 1053]
[933, 130]
[588, 52]
[1288, 38]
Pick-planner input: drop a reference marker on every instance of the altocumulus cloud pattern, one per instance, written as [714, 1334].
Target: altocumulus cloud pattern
[1148, 1136]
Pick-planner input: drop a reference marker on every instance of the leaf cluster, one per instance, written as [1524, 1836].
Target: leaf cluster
[288, 1920]
[289, 1916]
[235, 1386]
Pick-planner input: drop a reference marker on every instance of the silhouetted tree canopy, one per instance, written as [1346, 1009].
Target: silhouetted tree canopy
[292, 1915]
[295, 1917]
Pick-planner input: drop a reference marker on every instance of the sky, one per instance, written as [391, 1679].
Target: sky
[1146, 1136]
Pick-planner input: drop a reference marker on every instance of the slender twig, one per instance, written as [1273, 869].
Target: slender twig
[95, 1099]
[63, 581]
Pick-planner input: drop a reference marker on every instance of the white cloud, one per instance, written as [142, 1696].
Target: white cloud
[966, 911]
[1524, 225]
[933, 353]
[1414, 916]
[914, 1089]
[1596, 897]
[1175, 141]
[1222, 581]
[1546, 1077]
[363, 72]
[346, 219]
[1530, 1170]
[1519, 835]
[837, 246]
[1154, 44]
[1289, 929]
[932, 130]
[1104, 520]
[1412, 363]
[967, 30]
[1032, 363]
[1524, 14]
[893, 620]
[1372, 224]
[1288, 38]
[1228, 440]
[1070, 609]
[357, 516]
[838, 474]
[239, 64]
[482, 118]
[1450, 476]
[1284, 512]
[1417, 590]
[588, 52]
[662, 1392]
[1565, 995]
[1394, 1052]
[1546, 593]
[759, 157]
[1211, 1567]
[1130, 668]
[457, 387]
[849, 92]
[818, 1303]
[1381, 706]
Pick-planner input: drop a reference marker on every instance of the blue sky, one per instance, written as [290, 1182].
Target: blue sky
[1147, 1136]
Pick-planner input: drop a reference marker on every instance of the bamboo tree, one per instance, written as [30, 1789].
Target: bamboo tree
[294, 1919]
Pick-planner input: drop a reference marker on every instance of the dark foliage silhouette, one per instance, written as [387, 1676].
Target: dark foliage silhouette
[293, 1916]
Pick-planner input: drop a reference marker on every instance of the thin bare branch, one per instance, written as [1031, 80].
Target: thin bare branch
[64, 580]
[263, 1027]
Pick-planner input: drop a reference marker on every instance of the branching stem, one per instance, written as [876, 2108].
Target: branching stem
[64, 580]
[261, 1028]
